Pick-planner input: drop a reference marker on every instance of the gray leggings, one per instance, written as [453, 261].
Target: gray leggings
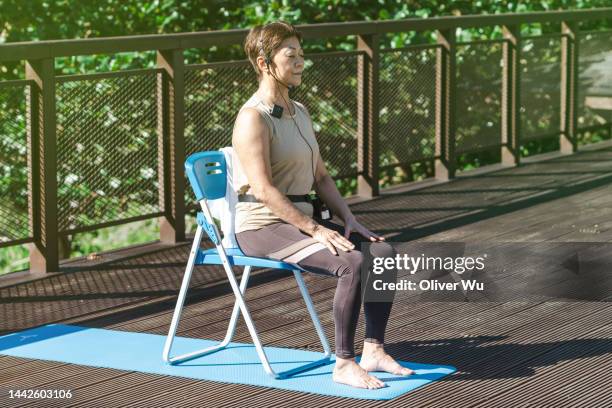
[346, 266]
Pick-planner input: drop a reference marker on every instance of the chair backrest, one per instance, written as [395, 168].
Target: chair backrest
[207, 174]
[210, 175]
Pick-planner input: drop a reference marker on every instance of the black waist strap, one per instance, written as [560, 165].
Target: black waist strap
[249, 198]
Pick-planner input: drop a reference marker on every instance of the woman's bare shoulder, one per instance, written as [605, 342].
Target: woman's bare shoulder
[249, 115]
[250, 126]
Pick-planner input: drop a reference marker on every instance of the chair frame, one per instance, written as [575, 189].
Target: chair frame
[219, 255]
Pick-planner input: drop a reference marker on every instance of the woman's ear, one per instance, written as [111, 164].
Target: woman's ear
[261, 64]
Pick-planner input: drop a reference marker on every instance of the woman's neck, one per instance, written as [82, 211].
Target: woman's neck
[274, 94]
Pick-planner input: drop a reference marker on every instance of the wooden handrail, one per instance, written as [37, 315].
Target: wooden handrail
[107, 45]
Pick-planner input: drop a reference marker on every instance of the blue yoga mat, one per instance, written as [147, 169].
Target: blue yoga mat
[238, 363]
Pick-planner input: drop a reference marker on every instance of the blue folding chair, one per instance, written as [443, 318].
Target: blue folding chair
[207, 174]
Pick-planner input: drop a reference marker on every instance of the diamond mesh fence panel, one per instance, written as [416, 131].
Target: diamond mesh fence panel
[213, 96]
[540, 87]
[595, 79]
[479, 87]
[107, 148]
[14, 223]
[407, 105]
[329, 92]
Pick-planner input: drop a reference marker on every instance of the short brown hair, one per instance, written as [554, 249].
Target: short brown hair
[263, 40]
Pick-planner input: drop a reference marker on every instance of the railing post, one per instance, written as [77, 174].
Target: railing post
[445, 105]
[171, 144]
[511, 100]
[568, 141]
[368, 136]
[42, 158]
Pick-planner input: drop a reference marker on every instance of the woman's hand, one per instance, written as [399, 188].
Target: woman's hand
[331, 239]
[351, 224]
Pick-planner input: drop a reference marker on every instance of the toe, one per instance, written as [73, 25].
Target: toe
[378, 382]
[407, 371]
[401, 370]
[362, 384]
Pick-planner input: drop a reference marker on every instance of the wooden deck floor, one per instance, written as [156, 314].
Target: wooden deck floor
[513, 354]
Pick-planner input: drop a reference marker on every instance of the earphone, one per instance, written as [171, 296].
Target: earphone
[262, 52]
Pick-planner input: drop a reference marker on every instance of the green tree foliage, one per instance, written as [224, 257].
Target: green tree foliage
[70, 19]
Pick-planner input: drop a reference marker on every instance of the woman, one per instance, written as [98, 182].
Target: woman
[278, 163]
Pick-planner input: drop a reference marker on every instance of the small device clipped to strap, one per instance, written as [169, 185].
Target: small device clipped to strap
[320, 209]
[277, 111]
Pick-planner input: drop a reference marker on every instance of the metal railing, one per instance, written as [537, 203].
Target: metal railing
[95, 150]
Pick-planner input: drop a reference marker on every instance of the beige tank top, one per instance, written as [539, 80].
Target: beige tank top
[291, 161]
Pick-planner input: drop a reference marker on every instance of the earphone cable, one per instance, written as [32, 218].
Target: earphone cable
[300, 132]
[267, 61]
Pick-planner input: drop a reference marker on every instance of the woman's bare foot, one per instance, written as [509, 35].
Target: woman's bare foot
[374, 358]
[347, 371]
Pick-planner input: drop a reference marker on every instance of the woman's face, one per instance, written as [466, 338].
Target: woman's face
[289, 62]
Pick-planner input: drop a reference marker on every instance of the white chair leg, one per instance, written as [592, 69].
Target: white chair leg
[255, 336]
[230, 329]
[317, 323]
[313, 313]
[182, 295]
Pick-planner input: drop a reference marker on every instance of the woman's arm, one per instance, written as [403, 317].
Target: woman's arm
[325, 187]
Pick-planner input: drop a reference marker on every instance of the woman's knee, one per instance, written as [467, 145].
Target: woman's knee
[351, 263]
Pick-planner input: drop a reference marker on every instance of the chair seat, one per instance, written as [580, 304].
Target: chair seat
[236, 257]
